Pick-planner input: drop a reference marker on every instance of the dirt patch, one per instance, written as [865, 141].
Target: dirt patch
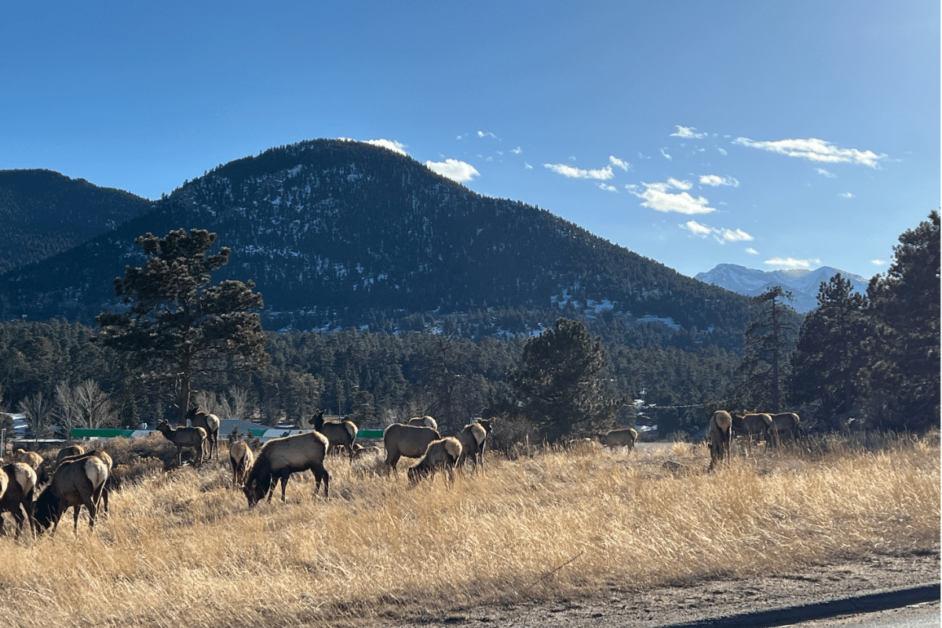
[701, 599]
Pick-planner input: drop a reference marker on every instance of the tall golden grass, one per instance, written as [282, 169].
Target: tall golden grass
[182, 548]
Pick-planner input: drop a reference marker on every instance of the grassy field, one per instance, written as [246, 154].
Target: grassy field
[182, 548]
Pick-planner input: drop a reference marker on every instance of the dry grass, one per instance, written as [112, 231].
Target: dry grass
[182, 547]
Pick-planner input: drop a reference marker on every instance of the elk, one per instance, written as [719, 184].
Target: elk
[77, 482]
[719, 436]
[279, 458]
[68, 452]
[28, 457]
[622, 437]
[210, 423]
[423, 421]
[752, 425]
[338, 433]
[410, 441]
[473, 438]
[241, 459]
[442, 454]
[194, 437]
[786, 426]
[17, 499]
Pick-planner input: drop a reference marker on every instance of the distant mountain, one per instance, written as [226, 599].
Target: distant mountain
[803, 284]
[339, 233]
[44, 213]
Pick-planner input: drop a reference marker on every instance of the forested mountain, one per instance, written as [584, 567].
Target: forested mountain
[339, 233]
[44, 213]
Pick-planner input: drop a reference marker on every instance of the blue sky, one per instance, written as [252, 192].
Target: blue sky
[769, 134]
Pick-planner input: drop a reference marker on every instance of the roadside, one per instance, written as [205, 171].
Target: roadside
[685, 602]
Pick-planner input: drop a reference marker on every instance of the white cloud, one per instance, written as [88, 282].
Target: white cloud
[453, 169]
[825, 173]
[815, 150]
[752, 251]
[642, 156]
[680, 185]
[664, 153]
[878, 262]
[624, 165]
[517, 151]
[607, 187]
[578, 173]
[715, 180]
[846, 195]
[527, 166]
[791, 262]
[658, 197]
[687, 132]
[722, 151]
[720, 235]
[486, 134]
[395, 147]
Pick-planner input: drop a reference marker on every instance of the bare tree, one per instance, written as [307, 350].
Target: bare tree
[84, 404]
[38, 413]
[66, 410]
[239, 404]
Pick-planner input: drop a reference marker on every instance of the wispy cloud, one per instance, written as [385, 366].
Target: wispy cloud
[716, 180]
[722, 151]
[816, 150]
[791, 263]
[720, 235]
[825, 173]
[658, 196]
[517, 151]
[751, 251]
[453, 169]
[395, 147]
[687, 132]
[602, 174]
[619, 163]
[607, 187]
[846, 195]
[527, 166]
[879, 262]
[486, 134]
[664, 153]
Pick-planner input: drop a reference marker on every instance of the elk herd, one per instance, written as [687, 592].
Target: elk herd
[81, 478]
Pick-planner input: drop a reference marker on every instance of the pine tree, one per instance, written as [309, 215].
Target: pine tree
[827, 361]
[903, 375]
[768, 339]
[178, 326]
[559, 383]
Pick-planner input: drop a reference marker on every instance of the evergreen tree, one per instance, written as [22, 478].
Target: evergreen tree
[830, 352]
[559, 384]
[176, 321]
[767, 339]
[903, 375]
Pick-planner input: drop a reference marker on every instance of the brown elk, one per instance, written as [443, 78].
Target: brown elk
[719, 436]
[423, 421]
[621, 437]
[473, 439]
[440, 455]
[68, 452]
[241, 459]
[786, 426]
[338, 433]
[279, 458]
[17, 499]
[194, 437]
[77, 482]
[210, 423]
[410, 441]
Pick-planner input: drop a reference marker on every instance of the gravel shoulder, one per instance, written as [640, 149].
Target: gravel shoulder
[702, 599]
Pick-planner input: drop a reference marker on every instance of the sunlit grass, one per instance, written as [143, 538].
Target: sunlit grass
[183, 548]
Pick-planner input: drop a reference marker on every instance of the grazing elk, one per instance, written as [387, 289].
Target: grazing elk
[210, 423]
[338, 433]
[423, 421]
[786, 426]
[17, 499]
[440, 455]
[194, 437]
[410, 441]
[719, 437]
[77, 482]
[621, 437]
[106, 458]
[68, 452]
[241, 459]
[473, 438]
[279, 458]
